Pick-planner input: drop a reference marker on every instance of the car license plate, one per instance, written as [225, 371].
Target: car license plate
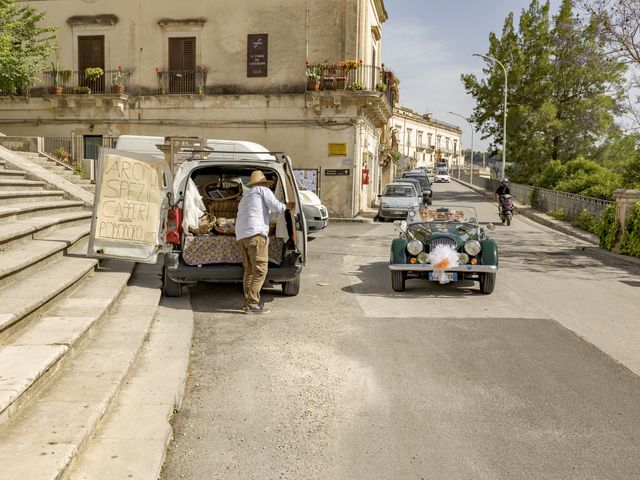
[435, 276]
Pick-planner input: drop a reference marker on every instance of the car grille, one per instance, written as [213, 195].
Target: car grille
[442, 241]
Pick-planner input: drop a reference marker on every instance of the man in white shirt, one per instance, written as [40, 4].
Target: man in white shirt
[252, 236]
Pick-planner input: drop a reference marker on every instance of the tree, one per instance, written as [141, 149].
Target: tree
[24, 46]
[619, 25]
[563, 91]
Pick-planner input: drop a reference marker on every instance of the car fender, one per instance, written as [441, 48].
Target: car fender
[398, 250]
[489, 252]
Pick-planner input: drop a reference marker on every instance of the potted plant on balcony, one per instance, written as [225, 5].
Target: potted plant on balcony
[93, 73]
[61, 154]
[117, 80]
[56, 85]
[313, 78]
[356, 86]
[381, 87]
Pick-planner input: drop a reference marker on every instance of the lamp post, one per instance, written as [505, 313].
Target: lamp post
[472, 129]
[504, 127]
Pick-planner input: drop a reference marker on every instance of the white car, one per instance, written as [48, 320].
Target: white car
[442, 176]
[396, 200]
[315, 212]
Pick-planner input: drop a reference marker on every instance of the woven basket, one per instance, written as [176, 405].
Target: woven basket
[205, 224]
[227, 208]
[224, 229]
[223, 190]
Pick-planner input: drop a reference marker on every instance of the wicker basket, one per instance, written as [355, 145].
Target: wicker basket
[223, 228]
[205, 224]
[227, 208]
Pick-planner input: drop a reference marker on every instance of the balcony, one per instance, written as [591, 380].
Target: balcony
[66, 82]
[182, 82]
[349, 76]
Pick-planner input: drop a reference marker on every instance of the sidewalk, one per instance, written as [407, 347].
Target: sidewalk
[365, 216]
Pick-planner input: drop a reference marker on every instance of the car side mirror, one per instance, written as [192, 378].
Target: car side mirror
[379, 196]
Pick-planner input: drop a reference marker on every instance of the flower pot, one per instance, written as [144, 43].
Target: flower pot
[329, 83]
[57, 90]
[313, 85]
[118, 88]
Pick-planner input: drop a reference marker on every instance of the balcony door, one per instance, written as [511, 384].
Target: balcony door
[182, 65]
[91, 54]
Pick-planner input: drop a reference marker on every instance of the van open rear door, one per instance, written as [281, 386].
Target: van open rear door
[293, 194]
[129, 213]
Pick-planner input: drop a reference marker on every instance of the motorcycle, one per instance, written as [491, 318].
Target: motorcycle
[505, 209]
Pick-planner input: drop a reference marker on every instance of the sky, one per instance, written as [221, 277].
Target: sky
[429, 44]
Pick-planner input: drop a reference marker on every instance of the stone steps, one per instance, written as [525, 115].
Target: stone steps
[73, 333]
[9, 184]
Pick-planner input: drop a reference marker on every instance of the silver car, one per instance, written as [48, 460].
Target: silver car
[396, 200]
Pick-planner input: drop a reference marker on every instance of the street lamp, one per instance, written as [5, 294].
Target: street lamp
[504, 128]
[472, 129]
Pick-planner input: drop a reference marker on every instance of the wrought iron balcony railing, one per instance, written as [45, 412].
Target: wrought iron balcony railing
[73, 81]
[350, 77]
[182, 82]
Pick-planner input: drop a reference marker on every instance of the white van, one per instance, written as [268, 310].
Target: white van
[139, 211]
[144, 144]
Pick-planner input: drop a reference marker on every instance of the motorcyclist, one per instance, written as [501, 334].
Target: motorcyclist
[503, 189]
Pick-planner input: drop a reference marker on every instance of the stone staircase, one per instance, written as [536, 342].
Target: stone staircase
[78, 342]
[65, 171]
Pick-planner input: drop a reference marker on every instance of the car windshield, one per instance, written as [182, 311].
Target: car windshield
[443, 172]
[399, 191]
[428, 214]
[424, 181]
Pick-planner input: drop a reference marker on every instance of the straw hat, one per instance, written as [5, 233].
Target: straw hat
[258, 178]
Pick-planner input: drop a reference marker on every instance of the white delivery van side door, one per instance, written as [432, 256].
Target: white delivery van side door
[130, 208]
[292, 187]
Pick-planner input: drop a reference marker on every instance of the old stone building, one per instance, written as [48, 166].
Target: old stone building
[232, 70]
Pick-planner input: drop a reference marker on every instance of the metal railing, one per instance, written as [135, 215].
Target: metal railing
[72, 81]
[546, 200]
[182, 82]
[336, 77]
[73, 146]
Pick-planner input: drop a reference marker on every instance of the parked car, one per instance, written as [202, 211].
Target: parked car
[397, 199]
[315, 212]
[140, 213]
[425, 184]
[443, 244]
[442, 176]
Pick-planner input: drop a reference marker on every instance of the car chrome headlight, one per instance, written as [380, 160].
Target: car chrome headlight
[472, 247]
[423, 257]
[463, 258]
[414, 247]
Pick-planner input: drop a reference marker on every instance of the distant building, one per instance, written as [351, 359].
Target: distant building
[422, 141]
[229, 70]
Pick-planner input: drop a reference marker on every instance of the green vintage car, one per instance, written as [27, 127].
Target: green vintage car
[443, 244]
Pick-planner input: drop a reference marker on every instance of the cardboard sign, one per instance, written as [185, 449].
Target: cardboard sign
[130, 197]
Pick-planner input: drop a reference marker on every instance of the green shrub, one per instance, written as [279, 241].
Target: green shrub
[558, 214]
[587, 221]
[630, 241]
[608, 228]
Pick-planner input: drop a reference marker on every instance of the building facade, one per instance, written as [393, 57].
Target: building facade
[424, 140]
[230, 70]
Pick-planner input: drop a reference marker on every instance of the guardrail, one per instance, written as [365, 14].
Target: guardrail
[546, 200]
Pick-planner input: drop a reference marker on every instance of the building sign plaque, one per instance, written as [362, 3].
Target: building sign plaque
[257, 50]
[337, 172]
[337, 149]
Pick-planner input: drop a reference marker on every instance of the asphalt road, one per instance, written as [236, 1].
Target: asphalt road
[350, 380]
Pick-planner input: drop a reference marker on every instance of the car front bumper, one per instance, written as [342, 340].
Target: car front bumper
[427, 267]
[393, 212]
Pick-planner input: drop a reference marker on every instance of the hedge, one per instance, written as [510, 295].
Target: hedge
[630, 241]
